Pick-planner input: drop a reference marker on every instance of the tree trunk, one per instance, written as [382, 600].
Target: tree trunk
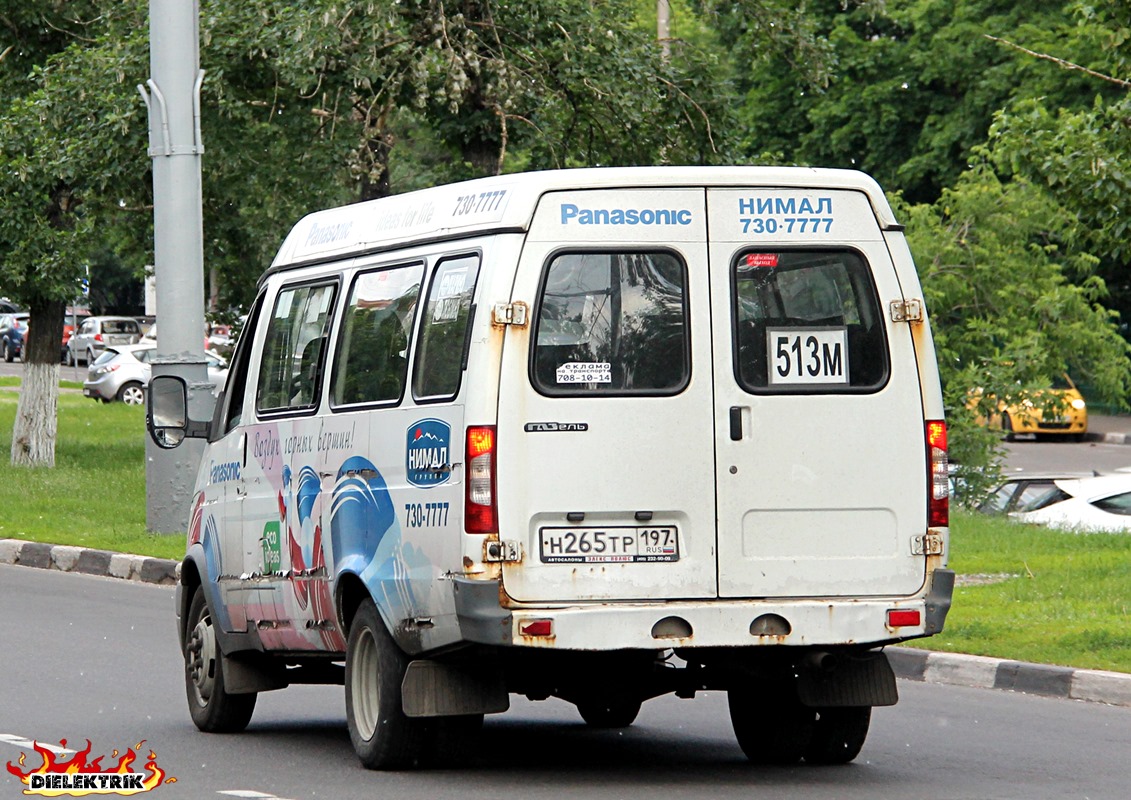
[33, 435]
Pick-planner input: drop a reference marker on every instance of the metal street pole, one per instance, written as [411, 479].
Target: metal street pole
[172, 96]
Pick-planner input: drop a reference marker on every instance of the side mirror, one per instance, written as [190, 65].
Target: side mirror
[167, 417]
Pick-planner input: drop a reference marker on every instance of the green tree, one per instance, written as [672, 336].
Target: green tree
[1013, 302]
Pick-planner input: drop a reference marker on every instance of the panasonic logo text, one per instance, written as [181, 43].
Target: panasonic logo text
[571, 214]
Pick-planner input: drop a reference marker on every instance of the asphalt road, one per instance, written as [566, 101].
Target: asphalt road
[1052, 456]
[92, 658]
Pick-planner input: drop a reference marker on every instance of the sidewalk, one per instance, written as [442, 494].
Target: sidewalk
[1109, 429]
[1113, 688]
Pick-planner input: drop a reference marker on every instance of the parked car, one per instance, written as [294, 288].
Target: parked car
[8, 307]
[97, 333]
[122, 373]
[13, 330]
[1086, 505]
[70, 322]
[1027, 492]
[1059, 410]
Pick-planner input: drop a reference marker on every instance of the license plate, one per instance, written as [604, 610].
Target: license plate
[614, 545]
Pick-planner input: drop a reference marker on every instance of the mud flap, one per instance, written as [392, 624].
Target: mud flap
[433, 689]
[857, 679]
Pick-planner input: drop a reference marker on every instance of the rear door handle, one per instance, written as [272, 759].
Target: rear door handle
[736, 423]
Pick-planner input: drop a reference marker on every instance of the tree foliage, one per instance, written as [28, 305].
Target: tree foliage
[326, 102]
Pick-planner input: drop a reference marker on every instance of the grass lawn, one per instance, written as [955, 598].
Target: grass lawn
[1063, 598]
[95, 495]
[1050, 597]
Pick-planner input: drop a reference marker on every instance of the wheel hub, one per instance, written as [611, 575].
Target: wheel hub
[200, 659]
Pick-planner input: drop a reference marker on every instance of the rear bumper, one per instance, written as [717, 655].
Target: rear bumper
[692, 624]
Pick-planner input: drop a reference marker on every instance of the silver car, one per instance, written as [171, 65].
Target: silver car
[122, 373]
[98, 333]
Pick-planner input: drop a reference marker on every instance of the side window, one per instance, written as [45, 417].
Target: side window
[237, 374]
[807, 321]
[612, 323]
[294, 349]
[371, 365]
[443, 334]
[1116, 504]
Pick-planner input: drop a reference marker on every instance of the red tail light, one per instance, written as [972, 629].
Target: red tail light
[98, 337]
[480, 514]
[938, 477]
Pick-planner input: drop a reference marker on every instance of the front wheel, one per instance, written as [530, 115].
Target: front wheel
[1007, 427]
[8, 355]
[383, 737]
[212, 708]
[132, 394]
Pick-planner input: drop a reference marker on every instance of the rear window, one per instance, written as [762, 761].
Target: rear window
[612, 323]
[120, 326]
[807, 321]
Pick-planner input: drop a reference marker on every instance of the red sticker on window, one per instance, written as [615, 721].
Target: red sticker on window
[762, 260]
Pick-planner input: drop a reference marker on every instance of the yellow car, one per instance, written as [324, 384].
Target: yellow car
[1038, 413]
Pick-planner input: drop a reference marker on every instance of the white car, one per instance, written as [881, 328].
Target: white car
[1086, 505]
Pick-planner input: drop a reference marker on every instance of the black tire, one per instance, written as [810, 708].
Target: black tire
[132, 394]
[1007, 426]
[8, 355]
[838, 735]
[609, 713]
[89, 357]
[383, 737]
[452, 740]
[212, 708]
[771, 725]
[69, 358]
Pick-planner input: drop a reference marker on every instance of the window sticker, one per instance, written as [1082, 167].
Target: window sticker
[813, 356]
[448, 296]
[585, 372]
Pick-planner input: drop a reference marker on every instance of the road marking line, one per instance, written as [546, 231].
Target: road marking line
[249, 793]
[28, 744]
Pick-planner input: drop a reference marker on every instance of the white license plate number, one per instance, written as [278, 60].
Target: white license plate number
[807, 357]
[655, 544]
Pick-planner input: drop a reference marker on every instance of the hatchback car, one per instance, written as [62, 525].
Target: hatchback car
[13, 330]
[1059, 410]
[1086, 505]
[122, 373]
[97, 333]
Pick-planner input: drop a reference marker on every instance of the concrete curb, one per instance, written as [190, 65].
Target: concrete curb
[1109, 438]
[1113, 688]
[88, 562]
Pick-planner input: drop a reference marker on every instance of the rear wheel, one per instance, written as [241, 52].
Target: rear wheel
[615, 713]
[838, 735]
[70, 357]
[212, 708]
[1007, 426]
[9, 356]
[771, 724]
[383, 737]
[89, 357]
[132, 394]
